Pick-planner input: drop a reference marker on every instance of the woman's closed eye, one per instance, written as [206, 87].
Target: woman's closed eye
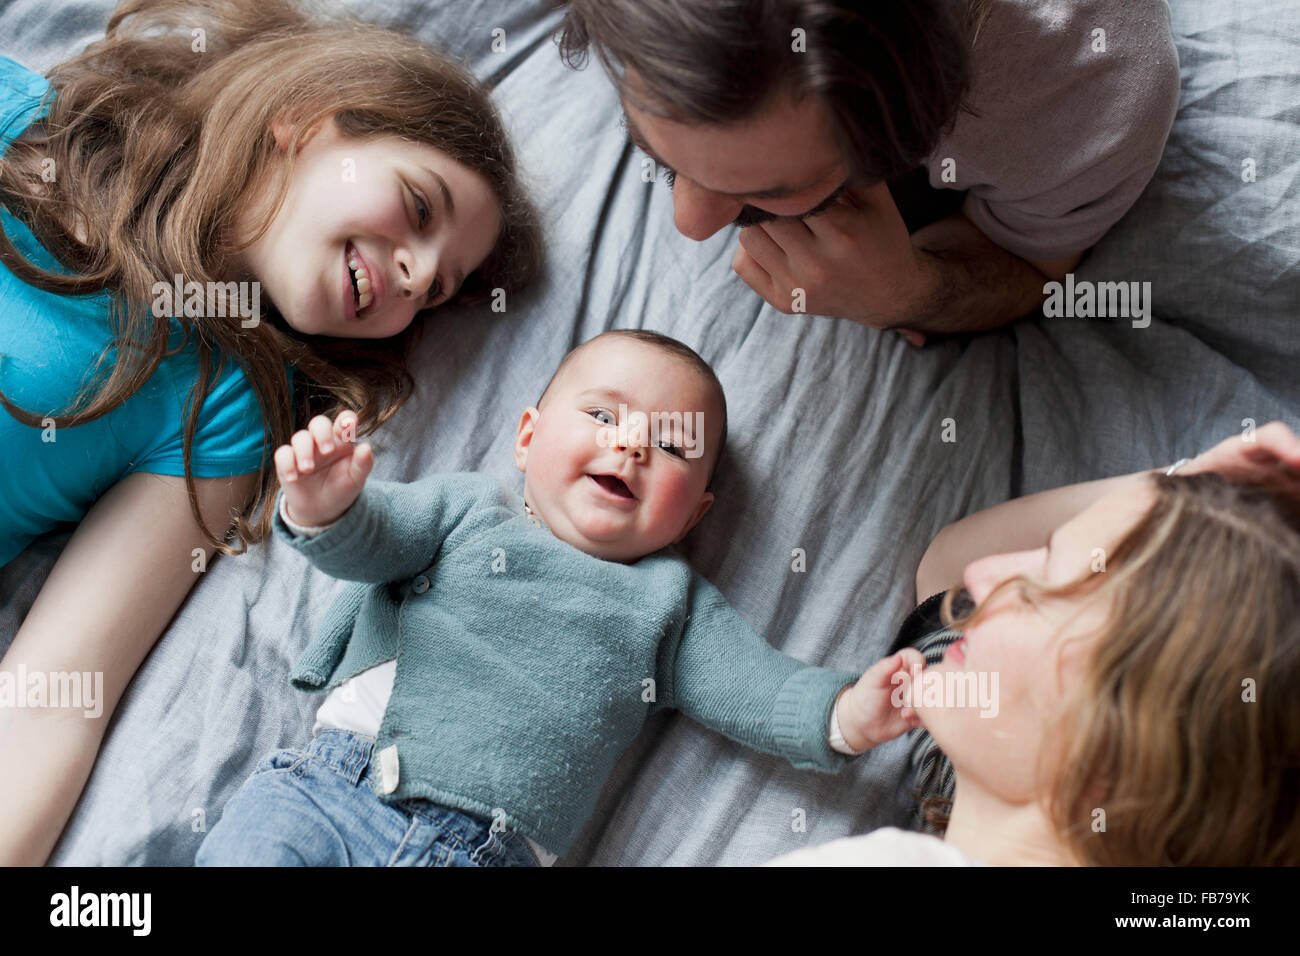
[1026, 595]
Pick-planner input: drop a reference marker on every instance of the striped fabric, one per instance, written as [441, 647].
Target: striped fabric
[923, 630]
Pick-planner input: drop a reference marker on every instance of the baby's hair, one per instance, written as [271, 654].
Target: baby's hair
[159, 146]
[675, 348]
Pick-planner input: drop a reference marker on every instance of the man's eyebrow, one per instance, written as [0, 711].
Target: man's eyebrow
[777, 192]
[639, 142]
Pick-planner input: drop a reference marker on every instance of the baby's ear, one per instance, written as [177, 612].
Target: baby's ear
[524, 437]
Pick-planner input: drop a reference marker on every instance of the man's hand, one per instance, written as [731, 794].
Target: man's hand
[853, 261]
[856, 261]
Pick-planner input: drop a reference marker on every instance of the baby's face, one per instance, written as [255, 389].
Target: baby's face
[377, 205]
[620, 494]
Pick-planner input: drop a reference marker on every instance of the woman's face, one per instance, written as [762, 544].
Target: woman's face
[371, 231]
[1028, 651]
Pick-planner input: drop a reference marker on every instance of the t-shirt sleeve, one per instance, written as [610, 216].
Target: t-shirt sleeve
[21, 93]
[1075, 104]
[230, 437]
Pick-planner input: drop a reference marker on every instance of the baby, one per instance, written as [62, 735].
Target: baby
[499, 655]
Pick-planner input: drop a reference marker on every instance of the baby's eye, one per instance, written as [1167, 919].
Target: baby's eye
[672, 449]
[597, 412]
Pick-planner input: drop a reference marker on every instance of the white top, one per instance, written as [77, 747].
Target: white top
[888, 846]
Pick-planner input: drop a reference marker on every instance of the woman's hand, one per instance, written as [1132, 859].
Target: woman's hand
[879, 706]
[323, 470]
[1270, 448]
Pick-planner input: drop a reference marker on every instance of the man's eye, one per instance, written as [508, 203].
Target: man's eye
[597, 412]
[672, 449]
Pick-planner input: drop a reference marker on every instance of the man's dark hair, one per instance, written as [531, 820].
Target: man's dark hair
[675, 348]
[893, 73]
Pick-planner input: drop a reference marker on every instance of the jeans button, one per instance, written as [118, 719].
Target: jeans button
[420, 584]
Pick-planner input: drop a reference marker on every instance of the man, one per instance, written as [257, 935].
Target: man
[808, 122]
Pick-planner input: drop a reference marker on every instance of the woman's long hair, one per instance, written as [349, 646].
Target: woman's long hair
[1181, 744]
[161, 135]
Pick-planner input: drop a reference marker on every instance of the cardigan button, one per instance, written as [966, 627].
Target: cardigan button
[420, 584]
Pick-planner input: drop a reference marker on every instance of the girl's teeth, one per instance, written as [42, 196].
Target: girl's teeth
[363, 284]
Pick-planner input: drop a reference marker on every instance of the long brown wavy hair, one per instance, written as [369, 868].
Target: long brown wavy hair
[1184, 729]
[158, 147]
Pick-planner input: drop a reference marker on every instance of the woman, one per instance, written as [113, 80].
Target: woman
[1146, 652]
[343, 176]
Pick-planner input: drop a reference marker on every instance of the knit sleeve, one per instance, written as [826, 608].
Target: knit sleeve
[724, 675]
[393, 530]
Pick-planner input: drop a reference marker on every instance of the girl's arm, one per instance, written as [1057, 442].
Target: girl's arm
[110, 595]
[1021, 524]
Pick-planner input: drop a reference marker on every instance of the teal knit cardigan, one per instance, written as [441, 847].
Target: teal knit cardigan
[525, 667]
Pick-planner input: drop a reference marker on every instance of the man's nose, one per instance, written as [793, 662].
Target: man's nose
[698, 213]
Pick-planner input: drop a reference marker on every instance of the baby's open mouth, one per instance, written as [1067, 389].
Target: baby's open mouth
[613, 484]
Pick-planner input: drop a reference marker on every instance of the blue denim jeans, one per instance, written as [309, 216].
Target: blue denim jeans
[316, 807]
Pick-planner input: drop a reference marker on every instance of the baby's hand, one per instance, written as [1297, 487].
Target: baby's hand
[878, 707]
[323, 470]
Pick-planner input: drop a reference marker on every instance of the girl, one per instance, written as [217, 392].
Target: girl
[309, 188]
[1145, 631]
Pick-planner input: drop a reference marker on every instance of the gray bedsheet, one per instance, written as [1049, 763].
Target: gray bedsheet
[836, 433]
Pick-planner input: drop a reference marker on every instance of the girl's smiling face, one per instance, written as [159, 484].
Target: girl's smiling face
[370, 232]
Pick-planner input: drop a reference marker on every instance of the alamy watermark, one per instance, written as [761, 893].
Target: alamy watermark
[682, 429]
[130, 910]
[83, 690]
[1100, 300]
[942, 689]
[208, 299]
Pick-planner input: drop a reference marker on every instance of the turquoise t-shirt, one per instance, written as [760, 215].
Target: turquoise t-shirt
[49, 343]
